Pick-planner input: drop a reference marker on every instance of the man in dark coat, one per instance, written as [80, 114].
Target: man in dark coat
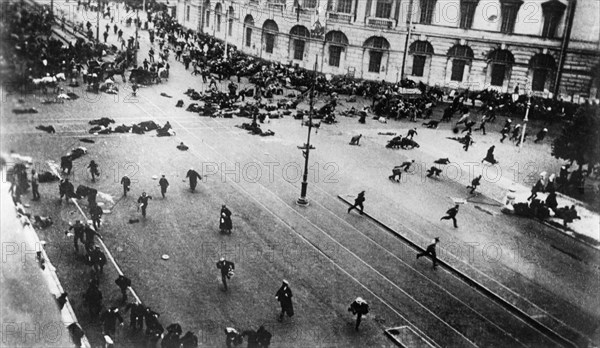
[126, 182]
[109, 321]
[194, 177]
[35, 184]
[143, 202]
[93, 299]
[284, 296]
[431, 252]
[226, 268]
[451, 214]
[263, 337]
[163, 183]
[225, 223]
[66, 164]
[359, 307]
[123, 283]
[358, 202]
[136, 317]
[78, 229]
[96, 215]
[474, 183]
[97, 259]
[93, 167]
[411, 133]
[66, 189]
[538, 187]
[90, 234]
[433, 171]
[489, 157]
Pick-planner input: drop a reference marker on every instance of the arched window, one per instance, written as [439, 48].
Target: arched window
[542, 66]
[249, 25]
[218, 17]
[270, 31]
[299, 34]
[337, 44]
[500, 63]
[461, 56]
[420, 50]
[377, 46]
[553, 12]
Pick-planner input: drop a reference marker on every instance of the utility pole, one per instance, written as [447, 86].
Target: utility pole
[410, 24]
[302, 201]
[525, 120]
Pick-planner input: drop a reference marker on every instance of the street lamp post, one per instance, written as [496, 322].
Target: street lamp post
[226, 32]
[302, 201]
[525, 120]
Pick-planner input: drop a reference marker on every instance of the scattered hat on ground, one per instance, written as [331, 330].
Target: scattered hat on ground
[165, 257]
[154, 177]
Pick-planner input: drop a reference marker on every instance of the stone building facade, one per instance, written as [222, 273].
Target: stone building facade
[546, 47]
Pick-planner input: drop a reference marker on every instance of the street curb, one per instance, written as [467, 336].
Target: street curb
[480, 287]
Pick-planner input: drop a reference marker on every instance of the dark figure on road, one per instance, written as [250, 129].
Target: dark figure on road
[93, 299]
[431, 252]
[406, 165]
[431, 124]
[225, 223]
[451, 214]
[226, 268]
[538, 187]
[96, 215]
[66, 189]
[504, 133]
[93, 170]
[233, 338]
[411, 133]
[474, 183]
[541, 135]
[468, 141]
[468, 126]
[516, 132]
[78, 231]
[194, 177]
[35, 184]
[66, 164]
[143, 202]
[90, 235]
[355, 140]
[263, 337]
[182, 147]
[173, 337]
[109, 321]
[123, 283]
[97, 260]
[163, 183]
[551, 201]
[396, 172]
[136, 317]
[358, 203]
[433, 171]
[126, 182]
[189, 340]
[489, 157]
[105, 34]
[359, 307]
[284, 296]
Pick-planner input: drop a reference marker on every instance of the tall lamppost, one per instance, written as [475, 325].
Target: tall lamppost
[226, 33]
[302, 201]
[525, 120]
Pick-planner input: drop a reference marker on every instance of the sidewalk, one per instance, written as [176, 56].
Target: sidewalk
[30, 315]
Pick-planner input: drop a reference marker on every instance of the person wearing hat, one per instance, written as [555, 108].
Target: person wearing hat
[430, 250]
[194, 177]
[109, 321]
[78, 231]
[226, 268]
[538, 137]
[96, 215]
[358, 202]
[411, 133]
[451, 214]
[126, 182]
[284, 296]
[143, 202]
[123, 283]
[225, 223]
[504, 133]
[474, 183]
[359, 307]
[35, 184]
[90, 233]
[163, 183]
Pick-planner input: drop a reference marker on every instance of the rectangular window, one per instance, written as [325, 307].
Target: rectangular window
[344, 6]
[550, 26]
[335, 52]
[230, 26]
[375, 61]
[539, 79]
[383, 9]
[467, 12]
[427, 7]
[458, 70]
[418, 67]
[248, 37]
[187, 14]
[207, 18]
[310, 3]
[270, 42]
[509, 16]
[299, 49]
[218, 23]
[498, 72]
